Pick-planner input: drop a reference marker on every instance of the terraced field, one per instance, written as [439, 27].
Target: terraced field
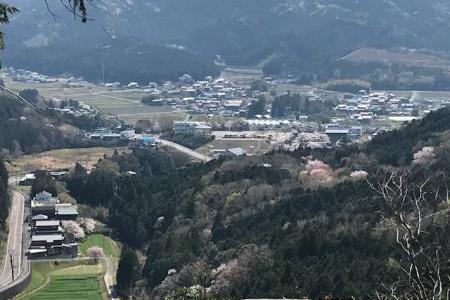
[73, 280]
[69, 287]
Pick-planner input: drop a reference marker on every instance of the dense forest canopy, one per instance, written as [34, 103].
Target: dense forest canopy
[24, 130]
[285, 224]
[295, 105]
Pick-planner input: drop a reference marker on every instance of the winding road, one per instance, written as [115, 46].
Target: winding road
[14, 245]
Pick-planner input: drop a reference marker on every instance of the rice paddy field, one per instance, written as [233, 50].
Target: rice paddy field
[124, 103]
[69, 287]
[65, 280]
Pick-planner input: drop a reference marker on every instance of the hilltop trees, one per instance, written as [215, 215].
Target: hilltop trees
[398, 147]
[23, 130]
[293, 104]
[348, 86]
[99, 185]
[43, 182]
[75, 181]
[31, 95]
[256, 108]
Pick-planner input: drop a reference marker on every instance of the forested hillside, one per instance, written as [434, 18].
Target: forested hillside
[304, 37]
[23, 130]
[292, 225]
[137, 61]
[398, 147]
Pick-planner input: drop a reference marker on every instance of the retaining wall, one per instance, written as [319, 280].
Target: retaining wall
[19, 285]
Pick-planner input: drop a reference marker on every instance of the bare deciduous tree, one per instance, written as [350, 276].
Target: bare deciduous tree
[408, 213]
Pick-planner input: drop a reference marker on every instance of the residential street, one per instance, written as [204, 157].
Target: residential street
[14, 246]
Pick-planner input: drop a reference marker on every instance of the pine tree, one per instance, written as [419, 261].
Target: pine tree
[128, 271]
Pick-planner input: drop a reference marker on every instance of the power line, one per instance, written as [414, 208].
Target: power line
[18, 96]
[12, 266]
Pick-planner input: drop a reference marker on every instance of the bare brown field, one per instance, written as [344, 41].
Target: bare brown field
[60, 159]
[242, 75]
[294, 88]
[411, 58]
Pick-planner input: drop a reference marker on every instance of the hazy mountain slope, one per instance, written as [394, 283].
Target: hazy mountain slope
[243, 32]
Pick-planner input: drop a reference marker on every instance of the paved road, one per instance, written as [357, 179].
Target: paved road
[14, 180]
[14, 246]
[185, 150]
[110, 275]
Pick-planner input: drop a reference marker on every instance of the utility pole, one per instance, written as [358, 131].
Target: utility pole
[12, 266]
[103, 71]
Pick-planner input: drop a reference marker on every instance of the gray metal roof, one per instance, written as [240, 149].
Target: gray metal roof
[66, 210]
[47, 223]
[49, 238]
[337, 131]
[40, 217]
[237, 151]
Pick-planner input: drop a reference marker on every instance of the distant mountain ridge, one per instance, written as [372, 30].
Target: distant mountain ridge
[242, 32]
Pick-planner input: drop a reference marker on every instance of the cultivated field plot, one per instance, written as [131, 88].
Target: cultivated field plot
[442, 97]
[411, 58]
[69, 287]
[60, 159]
[293, 88]
[242, 75]
[125, 104]
[65, 280]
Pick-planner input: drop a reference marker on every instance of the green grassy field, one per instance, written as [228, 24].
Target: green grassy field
[65, 280]
[69, 287]
[109, 246]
